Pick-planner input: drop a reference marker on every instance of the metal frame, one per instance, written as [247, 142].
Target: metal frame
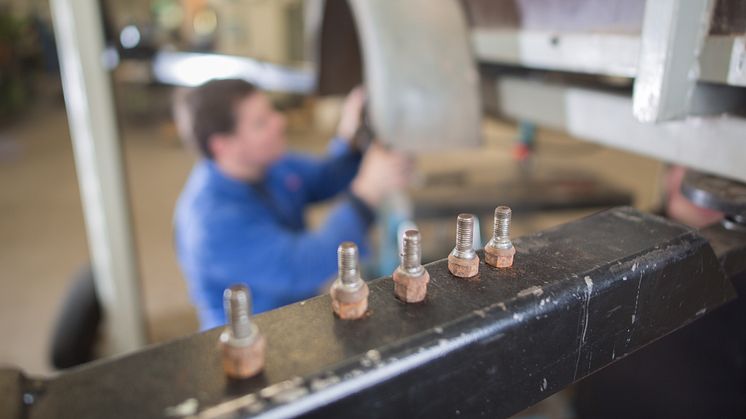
[591, 288]
[712, 144]
[597, 53]
[722, 59]
[673, 34]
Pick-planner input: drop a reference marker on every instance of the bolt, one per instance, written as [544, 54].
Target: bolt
[499, 251]
[465, 237]
[348, 261]
[242, 345]
[411, 278]
[463, 261]
[237, 305]
[349, 292]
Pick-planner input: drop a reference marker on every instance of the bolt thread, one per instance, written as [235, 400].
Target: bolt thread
[502, 222]
[237, 305]
[347, 259]
[411, 255]
[464, 232]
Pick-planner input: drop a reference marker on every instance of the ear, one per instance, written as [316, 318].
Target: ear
[219, 145]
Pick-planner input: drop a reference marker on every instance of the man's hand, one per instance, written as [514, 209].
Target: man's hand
[351, 113]
[381, 172]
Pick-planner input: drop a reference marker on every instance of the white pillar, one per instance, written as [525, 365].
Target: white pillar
[98, 158]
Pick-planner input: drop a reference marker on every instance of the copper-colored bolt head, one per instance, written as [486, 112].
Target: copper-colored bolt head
[242, 360]
[499, 251]
[242, 346]
[411, 278]
[410, 289]
[349, 305]
[499, 258]
[463, 261]
[463, 268]
[349, 292]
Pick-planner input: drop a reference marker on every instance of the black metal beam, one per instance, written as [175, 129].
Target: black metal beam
[578, 298]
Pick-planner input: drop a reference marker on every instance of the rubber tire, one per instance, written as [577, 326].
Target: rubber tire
[75, 333]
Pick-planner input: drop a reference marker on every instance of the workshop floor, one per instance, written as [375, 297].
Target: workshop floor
[42, 236]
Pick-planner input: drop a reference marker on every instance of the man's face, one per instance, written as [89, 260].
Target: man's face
[259, 136]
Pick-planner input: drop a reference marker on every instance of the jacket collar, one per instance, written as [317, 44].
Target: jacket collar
[222, 182]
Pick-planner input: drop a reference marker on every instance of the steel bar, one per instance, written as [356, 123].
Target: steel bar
[579, 297]
[710, 144]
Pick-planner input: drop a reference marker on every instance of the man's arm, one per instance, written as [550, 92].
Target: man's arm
[325, 177]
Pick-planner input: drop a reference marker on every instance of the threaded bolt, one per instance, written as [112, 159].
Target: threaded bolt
[349, 292]
[411, 253]
[501, 228]
[465, 237]
[348, 261]
[237, 305]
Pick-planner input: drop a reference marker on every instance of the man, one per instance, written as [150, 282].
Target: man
[240, 215]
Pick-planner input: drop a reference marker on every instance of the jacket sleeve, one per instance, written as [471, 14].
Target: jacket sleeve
[328, 176]
[280, 265]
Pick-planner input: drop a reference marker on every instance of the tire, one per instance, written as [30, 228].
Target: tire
[76, 331]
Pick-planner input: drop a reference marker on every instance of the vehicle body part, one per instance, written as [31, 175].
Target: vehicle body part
[417, 66]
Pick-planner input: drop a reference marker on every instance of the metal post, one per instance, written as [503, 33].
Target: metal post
[673, 34]
[90, 112]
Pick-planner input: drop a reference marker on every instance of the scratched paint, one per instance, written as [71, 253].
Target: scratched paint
[589, 290]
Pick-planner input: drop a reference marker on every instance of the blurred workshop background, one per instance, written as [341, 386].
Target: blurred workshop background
[557, 108]
[547, 176]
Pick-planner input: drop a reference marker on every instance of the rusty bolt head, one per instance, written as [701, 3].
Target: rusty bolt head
[463, 268]
[241, 343]
[411, 278]
[499, 251]
[463, 261]
[408, 288]
[242, 358]
[499, 258]
[347, 303]
[349, 292]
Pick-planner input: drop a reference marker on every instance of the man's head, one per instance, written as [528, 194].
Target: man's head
[235, 125]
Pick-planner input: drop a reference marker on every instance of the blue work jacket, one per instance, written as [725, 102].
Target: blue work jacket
[228, 231]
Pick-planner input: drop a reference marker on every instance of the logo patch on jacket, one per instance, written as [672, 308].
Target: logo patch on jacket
[293, 182]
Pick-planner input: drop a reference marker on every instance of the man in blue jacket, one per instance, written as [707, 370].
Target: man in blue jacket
[240, 217]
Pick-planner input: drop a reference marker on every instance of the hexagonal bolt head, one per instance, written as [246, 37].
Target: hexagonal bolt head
[349, 305]
[242, 346]
[463, 262]
[499, 258]
[411, 278]
[463, 268]
[499, 251]
[410, 289]
[349, 292]
[243, 361]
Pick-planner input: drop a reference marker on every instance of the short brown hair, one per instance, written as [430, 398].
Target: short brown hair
[210, 110]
